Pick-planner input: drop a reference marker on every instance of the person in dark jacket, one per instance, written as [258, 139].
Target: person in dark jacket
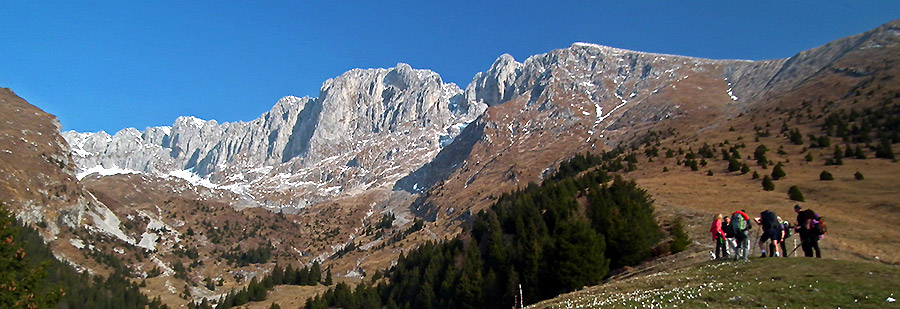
[729, 235]
[771, 231]
[786, 227]
[808, 238]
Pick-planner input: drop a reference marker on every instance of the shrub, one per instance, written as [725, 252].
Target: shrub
[809, 157]
[858, 175]
[767, 183]
[778, 172]
[709, 173]
[825, 175]
[760, 154]
[665, 169]
[734, 165]
[795, 194]
[755, 175]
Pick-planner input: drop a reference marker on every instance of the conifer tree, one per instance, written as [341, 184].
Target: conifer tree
[825, 175]
[838, 155]
[777, 172]
[734, 165]
[20, 282]
[680, 239]
[795, 194]
[858, 176]
[859, 154]
[745, 168]
[884, 150]
[767, 183]
[760, 154]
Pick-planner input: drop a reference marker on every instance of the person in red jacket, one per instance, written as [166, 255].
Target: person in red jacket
[719, 237]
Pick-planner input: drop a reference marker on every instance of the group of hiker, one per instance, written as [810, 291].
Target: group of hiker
[732, 234]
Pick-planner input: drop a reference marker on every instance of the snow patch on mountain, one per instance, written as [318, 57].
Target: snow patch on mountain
[104, 171]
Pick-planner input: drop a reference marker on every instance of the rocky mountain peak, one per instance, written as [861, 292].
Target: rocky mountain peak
[495, 86]
[380, 119]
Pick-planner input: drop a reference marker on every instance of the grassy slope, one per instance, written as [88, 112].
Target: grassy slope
[771, 282]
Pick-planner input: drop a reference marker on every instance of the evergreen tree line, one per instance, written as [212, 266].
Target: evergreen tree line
[257, 289]
[582, 162]
[31, 277]
[878, 128]
[550, 238]
[258, 255]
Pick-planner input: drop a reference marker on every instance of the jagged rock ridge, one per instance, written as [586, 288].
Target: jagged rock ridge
[367, 127]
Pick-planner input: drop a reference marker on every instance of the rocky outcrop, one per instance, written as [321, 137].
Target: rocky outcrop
[367, 127]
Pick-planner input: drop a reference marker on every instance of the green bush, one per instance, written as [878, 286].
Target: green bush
[795, 194]
[858, 175]
[778, 172]
[825, 175]
[767, 183]
[745, 168]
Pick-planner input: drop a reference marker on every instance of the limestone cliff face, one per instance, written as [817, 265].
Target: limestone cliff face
[366, 128]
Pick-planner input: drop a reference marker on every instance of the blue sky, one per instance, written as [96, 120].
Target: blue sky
[110, 65]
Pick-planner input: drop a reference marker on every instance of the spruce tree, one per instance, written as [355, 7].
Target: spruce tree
[734, 165]
[838, 155]
[680, 239]
[796, 137]
[328, 279]
[795, 194]
[767, 183]
[778, 172]
[760, 154]
[883, 150]
[859, 153]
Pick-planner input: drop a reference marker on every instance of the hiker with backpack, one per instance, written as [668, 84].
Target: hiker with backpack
[719, 237]
[810, 227]
[785, 234]
[740, 223]
[771, 231]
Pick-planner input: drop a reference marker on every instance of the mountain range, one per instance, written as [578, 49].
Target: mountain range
[311, 177]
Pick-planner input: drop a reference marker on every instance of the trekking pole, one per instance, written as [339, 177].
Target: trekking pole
[795, 248]
[753, 242]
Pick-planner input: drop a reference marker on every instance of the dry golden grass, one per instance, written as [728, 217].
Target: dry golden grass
[859, 213]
